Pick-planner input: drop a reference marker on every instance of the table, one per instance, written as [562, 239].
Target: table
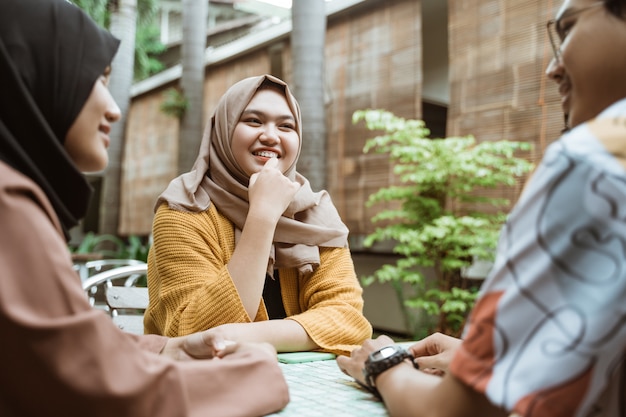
[320, 389]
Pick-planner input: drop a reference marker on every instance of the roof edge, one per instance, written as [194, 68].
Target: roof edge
[234, 49]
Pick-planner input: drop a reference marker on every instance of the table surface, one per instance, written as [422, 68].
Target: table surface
[319, 388]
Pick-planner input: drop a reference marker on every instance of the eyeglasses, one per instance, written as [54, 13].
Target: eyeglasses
[556, 32]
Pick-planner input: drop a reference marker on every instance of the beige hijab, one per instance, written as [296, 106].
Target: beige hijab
[310, 221]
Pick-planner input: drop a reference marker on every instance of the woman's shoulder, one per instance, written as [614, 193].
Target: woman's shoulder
[171, 226]
[331, 257]
[598, 143]
[10, 178]
[23, 197]
[210, 216]
[13, 183]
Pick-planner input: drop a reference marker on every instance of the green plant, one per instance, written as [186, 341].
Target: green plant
[106, 245]
[175, 103]
[148, 47]
[113, 247]
[437, 175]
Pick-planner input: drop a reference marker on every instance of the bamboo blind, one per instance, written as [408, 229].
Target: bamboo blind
[373, 60]
[498, 54]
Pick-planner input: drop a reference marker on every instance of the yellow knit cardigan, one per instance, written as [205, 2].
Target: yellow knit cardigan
[191, 289]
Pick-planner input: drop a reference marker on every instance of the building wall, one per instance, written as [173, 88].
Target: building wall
[373, 59]
[498, 51]
[149, 162]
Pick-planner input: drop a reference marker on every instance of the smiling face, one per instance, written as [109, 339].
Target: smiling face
[592, 66]
[87, 139]
[266, 129]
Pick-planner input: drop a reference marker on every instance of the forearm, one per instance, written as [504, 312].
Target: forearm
[248, 264]
[193, 300]
[411, 393]
[401, 385]
[284, 335]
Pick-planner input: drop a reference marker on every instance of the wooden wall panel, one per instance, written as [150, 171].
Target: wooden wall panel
[498, 54]
[150, 158]
[373, 60]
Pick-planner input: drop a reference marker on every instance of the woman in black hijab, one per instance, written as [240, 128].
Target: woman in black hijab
[50, 60]
[62, 357]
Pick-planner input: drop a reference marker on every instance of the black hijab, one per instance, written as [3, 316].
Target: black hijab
[51, 55]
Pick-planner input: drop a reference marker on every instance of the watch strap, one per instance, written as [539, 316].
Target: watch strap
[374, 368]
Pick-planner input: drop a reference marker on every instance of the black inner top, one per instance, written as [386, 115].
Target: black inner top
[272, 297]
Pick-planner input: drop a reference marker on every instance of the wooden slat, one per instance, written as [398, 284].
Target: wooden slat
[127, 297]
[127, 305]
[130, 323]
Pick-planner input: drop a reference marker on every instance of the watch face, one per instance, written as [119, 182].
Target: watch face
[384, 353]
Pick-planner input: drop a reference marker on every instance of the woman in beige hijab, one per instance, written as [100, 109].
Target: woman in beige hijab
[243, 246]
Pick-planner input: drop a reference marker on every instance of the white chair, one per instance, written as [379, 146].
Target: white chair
[90, 267]
[125, 303]
[92, 280]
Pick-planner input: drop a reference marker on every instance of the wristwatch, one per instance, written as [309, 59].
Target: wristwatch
[381, 360]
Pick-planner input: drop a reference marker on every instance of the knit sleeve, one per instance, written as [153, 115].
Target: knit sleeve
[189, 285]
[329, 303]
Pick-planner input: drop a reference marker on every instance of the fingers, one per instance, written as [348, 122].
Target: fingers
[433, 371]
[270, 192]
[226, 347]
[384, 340]
[426, 346]
[271, 163]
[253, 179]
[217, 345]
[440, 361]
[435, 352]
[434, 344]
[342, 363]
[351, 366]
[271, 172]
[193, 345]
[207, 344]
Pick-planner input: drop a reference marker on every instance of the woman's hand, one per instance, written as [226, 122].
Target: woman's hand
[270, 192]
[434, 353]
[209, 345]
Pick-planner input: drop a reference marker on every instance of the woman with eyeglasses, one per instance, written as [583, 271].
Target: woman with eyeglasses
[60, 356]
[547, 336]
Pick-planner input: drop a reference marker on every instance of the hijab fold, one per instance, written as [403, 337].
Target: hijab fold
[311, 220]
[47, 71]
